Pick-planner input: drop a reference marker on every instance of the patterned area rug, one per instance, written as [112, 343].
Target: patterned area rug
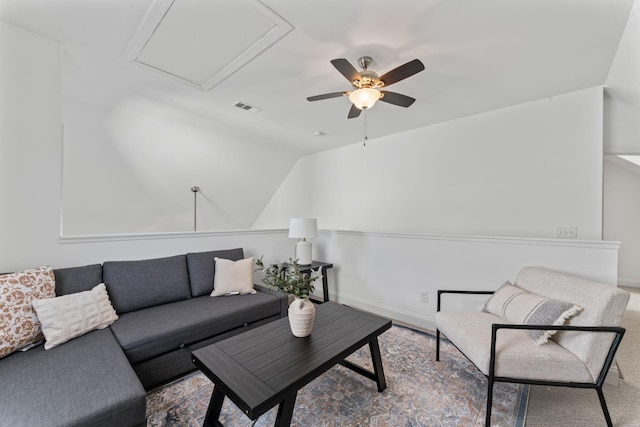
[420, 392]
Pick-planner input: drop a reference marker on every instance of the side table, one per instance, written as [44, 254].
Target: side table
[314, 266]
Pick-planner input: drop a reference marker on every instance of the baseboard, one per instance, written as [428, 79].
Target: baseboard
[628, 283]
[393, 313]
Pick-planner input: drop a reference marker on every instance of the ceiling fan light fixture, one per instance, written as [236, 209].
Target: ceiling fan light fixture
[364, 98]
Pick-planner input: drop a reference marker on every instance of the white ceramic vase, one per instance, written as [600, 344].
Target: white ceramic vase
[302, 312]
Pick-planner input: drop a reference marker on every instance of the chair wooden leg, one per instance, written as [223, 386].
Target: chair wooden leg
[489, 401]
[437, 345]
[605, 410]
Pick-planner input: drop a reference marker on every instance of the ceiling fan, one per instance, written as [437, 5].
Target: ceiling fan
[368, 85]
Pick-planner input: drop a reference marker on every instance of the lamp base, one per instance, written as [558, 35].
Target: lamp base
[303, 252]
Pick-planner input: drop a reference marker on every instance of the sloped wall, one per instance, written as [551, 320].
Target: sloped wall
[131, 159]
[622, 93]
[519, 171]
[31, 171]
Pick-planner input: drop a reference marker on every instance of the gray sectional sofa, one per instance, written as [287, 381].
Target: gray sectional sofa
[165, 312]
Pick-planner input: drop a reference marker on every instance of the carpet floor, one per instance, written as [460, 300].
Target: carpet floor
[420, 392]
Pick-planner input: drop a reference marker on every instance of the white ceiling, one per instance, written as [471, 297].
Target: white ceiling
[479, 56]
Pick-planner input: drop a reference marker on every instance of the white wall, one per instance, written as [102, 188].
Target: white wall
[31, 172]
[622, 136]
[385, 273]
[622, 93]
[29, 146]
[518, 171]
[129, 165]
[622, 215]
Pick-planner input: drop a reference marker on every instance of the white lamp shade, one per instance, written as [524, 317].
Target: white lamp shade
[303, 228]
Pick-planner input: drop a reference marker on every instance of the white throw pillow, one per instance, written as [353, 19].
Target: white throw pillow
[19, 325]
[70, 316]
[520, 307]
[233, 277]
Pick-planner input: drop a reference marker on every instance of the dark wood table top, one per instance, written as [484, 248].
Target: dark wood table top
[259, 368]
[315, 265]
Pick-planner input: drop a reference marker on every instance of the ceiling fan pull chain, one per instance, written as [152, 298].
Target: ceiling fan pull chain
[365, 128]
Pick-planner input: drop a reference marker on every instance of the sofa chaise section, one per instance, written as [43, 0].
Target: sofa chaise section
[84, 382]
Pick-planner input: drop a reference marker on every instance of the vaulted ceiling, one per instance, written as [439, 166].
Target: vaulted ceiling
[479, 56]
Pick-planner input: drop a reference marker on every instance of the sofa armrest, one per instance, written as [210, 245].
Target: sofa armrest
[284, 299]
[618, 331]
[447, 291]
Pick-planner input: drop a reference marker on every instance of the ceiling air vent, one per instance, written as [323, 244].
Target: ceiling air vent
[241, 105]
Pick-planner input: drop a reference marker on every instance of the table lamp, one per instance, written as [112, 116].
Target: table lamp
[303, 229]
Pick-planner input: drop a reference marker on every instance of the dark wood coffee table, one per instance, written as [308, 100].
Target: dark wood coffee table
[266, 366]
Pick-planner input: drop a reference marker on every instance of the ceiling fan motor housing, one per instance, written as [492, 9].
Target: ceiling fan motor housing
[368, 79]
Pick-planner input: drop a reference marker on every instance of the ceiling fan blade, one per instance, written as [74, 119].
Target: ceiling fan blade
[326, 96]
[346, 69]
[397, 98]
[402, 72]
[354, 112]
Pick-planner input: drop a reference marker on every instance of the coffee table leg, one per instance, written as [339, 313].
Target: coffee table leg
[214, 409]
[285, 411]
[376, 359]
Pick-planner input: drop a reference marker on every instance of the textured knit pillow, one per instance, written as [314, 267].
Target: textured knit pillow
[19, 325]
[518, 306]
[70, 316]
[233, 277]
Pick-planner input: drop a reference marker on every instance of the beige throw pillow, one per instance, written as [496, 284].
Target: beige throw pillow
[70, 316]
[520, 307]
[19, 325]
[233, 277]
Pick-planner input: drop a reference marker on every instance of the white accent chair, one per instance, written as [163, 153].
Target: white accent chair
[578, 355]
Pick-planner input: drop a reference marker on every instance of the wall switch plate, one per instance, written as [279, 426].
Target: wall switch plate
[567, 232]
[424, 296]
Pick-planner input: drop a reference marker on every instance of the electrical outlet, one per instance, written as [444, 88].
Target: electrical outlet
[567, 232]
[424, 296]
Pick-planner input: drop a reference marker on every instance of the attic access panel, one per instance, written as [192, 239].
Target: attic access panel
[202, 42]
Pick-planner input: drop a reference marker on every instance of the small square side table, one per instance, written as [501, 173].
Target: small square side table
[314, 266]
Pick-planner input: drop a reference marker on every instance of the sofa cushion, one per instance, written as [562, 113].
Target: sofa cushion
[84, 382]
[146, 333]
[19, 325]
[233, 277]
[520, 307]
[133, 285]
[77, 279]
[202, 268]
[517, 354]
[70, 316]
